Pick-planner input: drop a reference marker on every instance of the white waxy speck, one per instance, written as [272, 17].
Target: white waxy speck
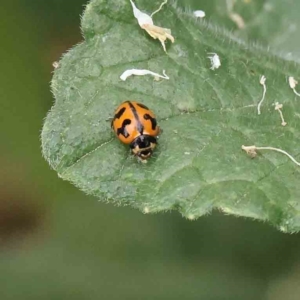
[215, 61]
[199, 13]
[146, 210]
[279, 107]
[251, 150]
[191, 217]
[293, 82]
[262, 82]
[141, 72]
[55, 65]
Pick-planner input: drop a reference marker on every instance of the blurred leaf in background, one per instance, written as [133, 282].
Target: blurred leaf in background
[72, 247]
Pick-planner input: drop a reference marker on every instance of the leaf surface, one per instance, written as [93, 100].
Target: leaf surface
[272, 23]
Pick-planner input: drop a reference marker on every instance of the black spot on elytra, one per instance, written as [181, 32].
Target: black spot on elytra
[123, 129]
[152, 120]
[142, 106]
[118, 115]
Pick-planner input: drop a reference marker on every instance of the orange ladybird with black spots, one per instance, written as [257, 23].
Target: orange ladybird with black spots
[135, 124]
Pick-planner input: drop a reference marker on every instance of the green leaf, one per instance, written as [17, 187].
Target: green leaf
[206, 117]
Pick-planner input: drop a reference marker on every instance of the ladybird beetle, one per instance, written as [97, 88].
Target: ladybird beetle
[135, 124]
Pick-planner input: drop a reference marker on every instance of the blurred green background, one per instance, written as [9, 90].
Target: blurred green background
[57, 243]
